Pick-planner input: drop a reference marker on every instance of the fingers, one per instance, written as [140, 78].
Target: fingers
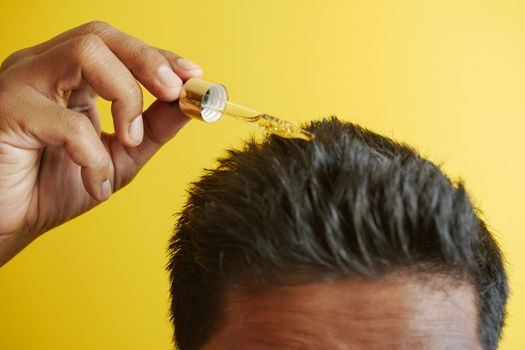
[57, 126]
[162, 121]
[87, 59]
[146, 63]
[83, 100]
[14, 58]
[184, 68]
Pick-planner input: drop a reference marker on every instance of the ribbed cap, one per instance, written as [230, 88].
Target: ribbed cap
[196, 92]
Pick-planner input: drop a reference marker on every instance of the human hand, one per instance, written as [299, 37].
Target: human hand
[55, 163]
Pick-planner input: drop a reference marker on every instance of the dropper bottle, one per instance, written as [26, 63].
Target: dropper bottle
[207, 101]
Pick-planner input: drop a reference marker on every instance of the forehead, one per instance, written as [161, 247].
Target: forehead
[395, 312]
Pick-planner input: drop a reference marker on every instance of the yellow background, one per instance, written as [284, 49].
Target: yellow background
[446, 76]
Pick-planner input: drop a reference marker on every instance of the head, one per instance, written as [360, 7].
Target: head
[348, 241]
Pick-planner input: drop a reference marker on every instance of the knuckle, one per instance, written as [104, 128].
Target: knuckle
[78, 132]
[76, 125]
[134, 91]
[146, 51]
[146, 55]
[100, 158]
[25, 125]
[86, 45]
[12, 59]
[97, 26]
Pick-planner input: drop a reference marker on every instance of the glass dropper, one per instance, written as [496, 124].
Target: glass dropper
[266, 122]
[209, 101]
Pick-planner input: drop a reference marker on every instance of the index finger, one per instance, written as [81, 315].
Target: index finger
[146, 63]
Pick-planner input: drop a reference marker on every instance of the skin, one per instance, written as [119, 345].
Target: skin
[55, 163]
[399, 311]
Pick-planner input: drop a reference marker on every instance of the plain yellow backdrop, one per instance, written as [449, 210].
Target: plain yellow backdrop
[445, 76]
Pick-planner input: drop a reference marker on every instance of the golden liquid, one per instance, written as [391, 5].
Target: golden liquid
[265, 121]
[278, 126]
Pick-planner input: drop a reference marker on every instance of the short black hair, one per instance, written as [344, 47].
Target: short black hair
[349, 203]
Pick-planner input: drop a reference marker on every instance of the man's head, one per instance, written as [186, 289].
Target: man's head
[349, 241]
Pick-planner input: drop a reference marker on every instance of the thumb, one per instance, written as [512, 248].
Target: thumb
[162, 121]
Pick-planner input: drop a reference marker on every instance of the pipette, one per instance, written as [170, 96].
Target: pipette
[208, 102]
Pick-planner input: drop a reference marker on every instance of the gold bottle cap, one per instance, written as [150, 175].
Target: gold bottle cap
[194, 91]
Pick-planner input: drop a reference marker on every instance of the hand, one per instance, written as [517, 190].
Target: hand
[55, 163]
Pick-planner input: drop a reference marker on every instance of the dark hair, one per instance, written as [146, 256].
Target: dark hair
[349, 203]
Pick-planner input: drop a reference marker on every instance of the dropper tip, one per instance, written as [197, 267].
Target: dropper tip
[307, 135]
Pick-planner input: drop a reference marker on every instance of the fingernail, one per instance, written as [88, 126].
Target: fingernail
[186, 65]
[106, 190]
[136, 129]
[168, 77]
